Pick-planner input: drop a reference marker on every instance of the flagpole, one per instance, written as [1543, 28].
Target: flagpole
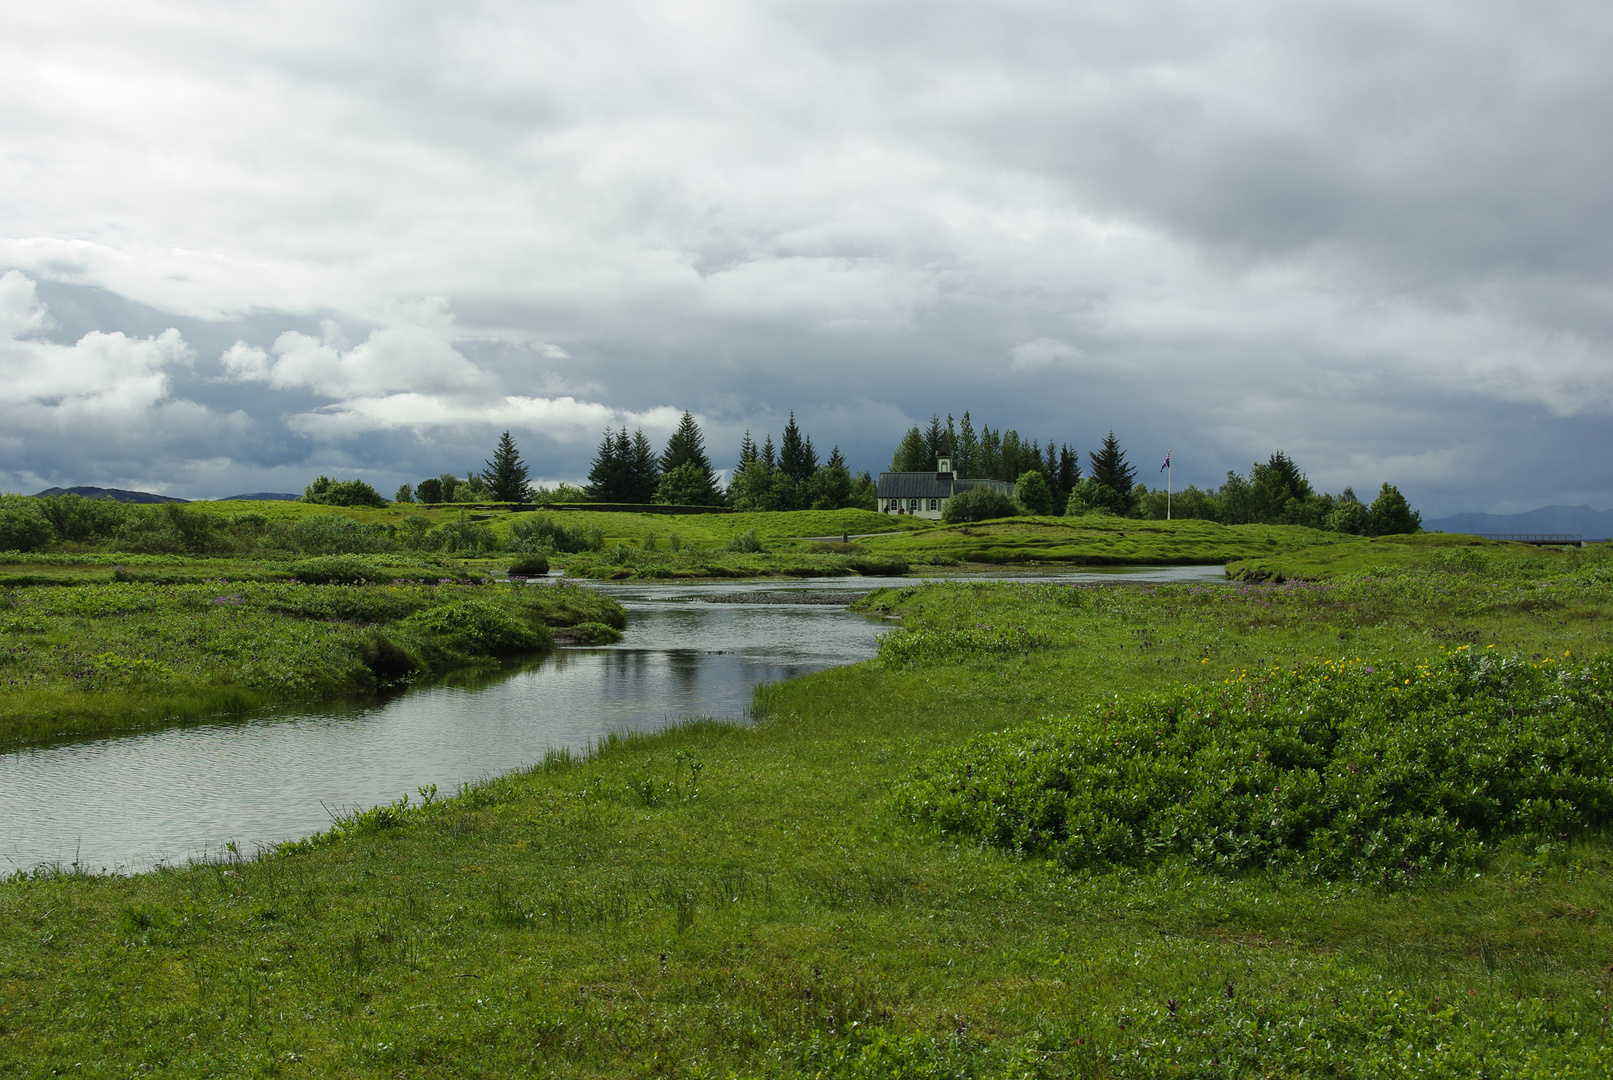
[1167, 485]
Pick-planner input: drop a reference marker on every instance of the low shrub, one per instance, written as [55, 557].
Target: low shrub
[978, 504]
[593, 633]
[338, 534]
[480, 627]
[540, 532]
[1333, 769]
[331, 492]
[745, 543]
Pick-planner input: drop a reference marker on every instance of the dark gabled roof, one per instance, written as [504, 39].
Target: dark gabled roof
[915, 485]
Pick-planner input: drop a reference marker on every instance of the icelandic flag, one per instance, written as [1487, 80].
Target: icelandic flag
[1167, 464]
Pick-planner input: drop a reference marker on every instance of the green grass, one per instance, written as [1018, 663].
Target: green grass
[1455, 552]
[750, 900]
[1100, 541]
[120, 656]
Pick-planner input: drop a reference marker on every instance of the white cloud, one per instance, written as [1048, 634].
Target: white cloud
[403, 359]
[1030, 355]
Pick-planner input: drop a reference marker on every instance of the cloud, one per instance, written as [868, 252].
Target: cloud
[1363, 230]
[1030, 355]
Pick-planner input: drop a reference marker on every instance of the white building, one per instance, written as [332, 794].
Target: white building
[925, 494]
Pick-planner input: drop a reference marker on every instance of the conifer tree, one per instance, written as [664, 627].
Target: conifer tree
[1109, 467]
[607, 478]
[911, 454]
[966, 452]
[797, 459]
[831, 486]
[506, 475]
[643, 473]
[934, 437]
[769, 455]
[747, 453]
[1069, 471]
[688, 447]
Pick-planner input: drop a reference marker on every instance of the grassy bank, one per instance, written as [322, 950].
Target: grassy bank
[755, 901]
[1452, 552]
[1099, 541]
[127, 655]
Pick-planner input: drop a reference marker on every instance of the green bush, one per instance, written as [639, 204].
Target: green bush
[1333, 769]
[331, 492]
[338, 534]
[467, 538]
[22, 526]
[745, 543]
[978, 504]
[540, 532]
[480, 627]
[593, 633]
[1032, 493]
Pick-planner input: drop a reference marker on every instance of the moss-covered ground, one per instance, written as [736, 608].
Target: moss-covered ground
[726, 899]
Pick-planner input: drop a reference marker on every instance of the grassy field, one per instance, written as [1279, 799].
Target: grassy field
[1099, 541]
[1355, 555]
[127, 655]
[758, 900]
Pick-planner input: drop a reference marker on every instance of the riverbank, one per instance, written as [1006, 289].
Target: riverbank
[723, 898]
[126, 655]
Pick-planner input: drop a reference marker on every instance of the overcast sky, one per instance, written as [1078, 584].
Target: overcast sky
[244, 244]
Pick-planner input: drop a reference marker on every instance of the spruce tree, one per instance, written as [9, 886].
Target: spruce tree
[934, 438]
[797, 459]
[769, 455]
[1069, 472]
[607, 478]
[688, 447]
[830, 487]
[506, 475]
[911, 454]
[643, 474]
[747, 453]
[1109, 467]
[966, 452]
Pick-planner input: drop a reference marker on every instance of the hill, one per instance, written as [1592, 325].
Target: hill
[1588, 523]
[262, 496]
[115, 494]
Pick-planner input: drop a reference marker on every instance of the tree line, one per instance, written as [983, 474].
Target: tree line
[1048, 480]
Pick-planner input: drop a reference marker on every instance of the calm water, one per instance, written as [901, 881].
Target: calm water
[130, 802]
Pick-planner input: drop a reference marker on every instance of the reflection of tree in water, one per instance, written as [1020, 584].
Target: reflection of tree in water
[685, 664]
[624, 669]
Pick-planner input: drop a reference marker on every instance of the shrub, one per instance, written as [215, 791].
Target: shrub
[22, 527]
[1334, 769]
[483, 627]
[978, 504]
[540, 532]
[745, 543]
[1091, 497]
[594, 633]
[330, 492]
[338, 534]
[530, 566]
[467, 538]
[1031, 492]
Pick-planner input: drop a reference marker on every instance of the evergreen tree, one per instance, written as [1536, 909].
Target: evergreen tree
[830, 487]
[769, 455]
[952, 443]
[747, 453]
[864, 493]
[688, 447]
[1391, 515]
[966, 451]
[643, 473]
[607, 478]
[1109, 467]
[797, 459]
[1013, 457]
[990, 463]
[506, 475]
[1050, 463]
[1069, 472]
[911, 454]
[934, 438]
[752, 487]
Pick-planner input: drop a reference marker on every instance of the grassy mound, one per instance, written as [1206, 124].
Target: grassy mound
[1334, 769]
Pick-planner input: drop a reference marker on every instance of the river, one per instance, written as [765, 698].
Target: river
[128, 803]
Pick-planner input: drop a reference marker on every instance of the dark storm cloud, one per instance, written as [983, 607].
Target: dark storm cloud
[1375, 235]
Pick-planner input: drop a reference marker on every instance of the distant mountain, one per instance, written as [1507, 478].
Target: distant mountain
[1588, 523]
[115, 494]
[262, 496]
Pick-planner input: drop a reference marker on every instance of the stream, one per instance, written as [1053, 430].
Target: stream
[128, 803]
